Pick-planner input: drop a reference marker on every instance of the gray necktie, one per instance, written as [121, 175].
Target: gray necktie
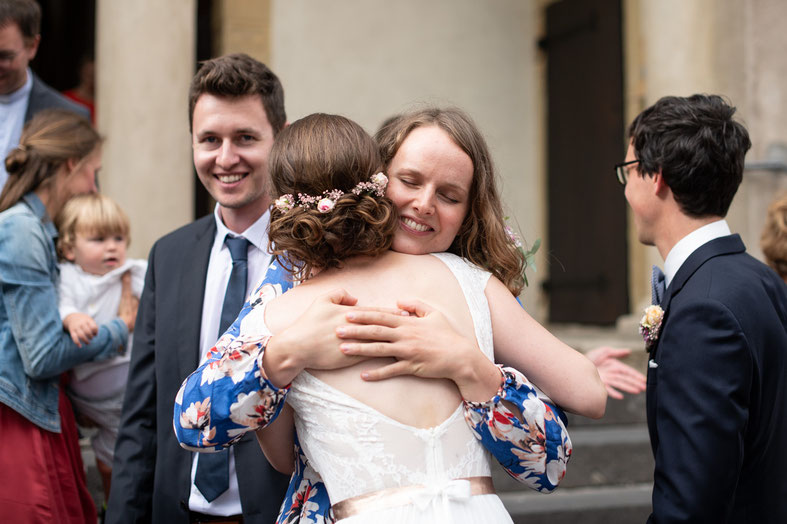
[213, 477]
[657, 285]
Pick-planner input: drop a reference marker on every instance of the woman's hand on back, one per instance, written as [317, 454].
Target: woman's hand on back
[310, 342]
[424, 344]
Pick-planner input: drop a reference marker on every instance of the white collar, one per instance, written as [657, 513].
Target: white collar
[257, 233]
[20, 93]
[689, 244]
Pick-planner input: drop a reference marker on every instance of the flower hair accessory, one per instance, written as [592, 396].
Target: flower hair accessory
[650, 325]
[530, 254]
[327, 200]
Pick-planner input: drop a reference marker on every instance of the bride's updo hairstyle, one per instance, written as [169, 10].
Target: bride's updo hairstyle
[482, 239]
[310, 158]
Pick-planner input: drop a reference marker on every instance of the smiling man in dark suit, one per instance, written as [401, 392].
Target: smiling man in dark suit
[236, 108]
[717, 396]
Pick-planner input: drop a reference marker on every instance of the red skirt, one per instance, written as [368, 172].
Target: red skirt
[41, 473]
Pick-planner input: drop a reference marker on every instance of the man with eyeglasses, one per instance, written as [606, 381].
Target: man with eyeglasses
[22, 93]
[716, 395]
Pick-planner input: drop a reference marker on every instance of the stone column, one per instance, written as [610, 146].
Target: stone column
[145, 56]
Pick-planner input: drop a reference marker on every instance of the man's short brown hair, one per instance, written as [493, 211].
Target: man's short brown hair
[237, 75]
[24, 13]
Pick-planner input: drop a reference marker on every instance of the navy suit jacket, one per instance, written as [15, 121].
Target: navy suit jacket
[717, 391]
[44, 97]
[151, 475]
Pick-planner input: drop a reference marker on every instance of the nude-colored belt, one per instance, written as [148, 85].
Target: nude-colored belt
[418, 495]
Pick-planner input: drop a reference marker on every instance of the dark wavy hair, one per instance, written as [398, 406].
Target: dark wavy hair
[321, 153]
[698, 148]
[482, 238]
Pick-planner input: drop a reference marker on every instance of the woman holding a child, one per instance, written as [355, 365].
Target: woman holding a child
[41, 471]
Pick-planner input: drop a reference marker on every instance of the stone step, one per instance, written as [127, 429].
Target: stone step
[619, 504]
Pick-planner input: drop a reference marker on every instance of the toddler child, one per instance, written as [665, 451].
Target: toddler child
[94, 234]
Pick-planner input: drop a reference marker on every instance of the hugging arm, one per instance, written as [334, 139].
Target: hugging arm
[242, 385]
[564, 374]
[525, 433]
[229, 394]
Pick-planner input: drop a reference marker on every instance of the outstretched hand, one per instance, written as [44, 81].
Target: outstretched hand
[615, 374]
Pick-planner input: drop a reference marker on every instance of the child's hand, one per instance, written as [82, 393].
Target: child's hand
[81, 327]
[127, 310]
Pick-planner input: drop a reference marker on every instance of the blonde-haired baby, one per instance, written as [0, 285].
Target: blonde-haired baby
[93, 237]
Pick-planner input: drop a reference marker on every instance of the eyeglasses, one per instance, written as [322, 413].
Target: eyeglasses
[622, 171]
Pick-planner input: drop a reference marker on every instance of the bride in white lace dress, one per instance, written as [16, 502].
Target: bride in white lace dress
[397, 450]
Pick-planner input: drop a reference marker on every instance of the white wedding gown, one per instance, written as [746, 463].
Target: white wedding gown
[357, 450]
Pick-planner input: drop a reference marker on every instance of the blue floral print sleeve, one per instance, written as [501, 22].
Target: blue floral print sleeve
[306, 500]
[230, 395]
[533, 450]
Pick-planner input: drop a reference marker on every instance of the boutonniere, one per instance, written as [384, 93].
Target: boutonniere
[650, 325]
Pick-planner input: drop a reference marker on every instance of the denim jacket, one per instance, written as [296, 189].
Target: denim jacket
[34, 349]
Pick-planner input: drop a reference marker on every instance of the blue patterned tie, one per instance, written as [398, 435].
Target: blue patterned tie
[213, 477]
[657, 285]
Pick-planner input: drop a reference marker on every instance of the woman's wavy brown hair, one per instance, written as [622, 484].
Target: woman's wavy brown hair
[321, 153]
[48, 140]
[482, 238]
[774, 236]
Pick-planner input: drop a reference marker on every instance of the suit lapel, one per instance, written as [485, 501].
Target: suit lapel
[717, 247]
[195, 256]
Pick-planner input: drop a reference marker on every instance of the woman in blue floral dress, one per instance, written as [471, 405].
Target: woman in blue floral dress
[512, 440]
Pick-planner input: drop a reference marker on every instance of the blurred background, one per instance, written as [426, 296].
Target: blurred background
[552, 84]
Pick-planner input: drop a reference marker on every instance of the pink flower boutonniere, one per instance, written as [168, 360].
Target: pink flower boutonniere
[650, 325]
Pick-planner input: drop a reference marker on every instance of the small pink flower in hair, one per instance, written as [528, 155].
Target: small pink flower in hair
[284, 203]
[325, 205]
[380, 181]
[513, 237]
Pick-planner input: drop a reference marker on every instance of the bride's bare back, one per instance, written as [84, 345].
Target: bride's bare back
[380, 281]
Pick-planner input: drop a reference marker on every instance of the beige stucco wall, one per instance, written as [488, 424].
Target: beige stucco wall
[675, 47]
[369, 59]
[145, 60]
[242, 26]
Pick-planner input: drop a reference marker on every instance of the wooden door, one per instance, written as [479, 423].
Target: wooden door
[587, 211]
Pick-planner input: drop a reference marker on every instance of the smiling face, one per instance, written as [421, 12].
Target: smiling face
[429, 182]
[97, 253]
[231, 140]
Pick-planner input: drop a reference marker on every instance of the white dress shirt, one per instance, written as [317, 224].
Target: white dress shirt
[219, 269]
[13, 107]
[689, 244]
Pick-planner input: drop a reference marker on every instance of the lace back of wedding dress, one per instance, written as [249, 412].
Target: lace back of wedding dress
[358, 450]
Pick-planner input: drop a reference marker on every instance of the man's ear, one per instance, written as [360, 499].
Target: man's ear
[32, 46]
[660, 187]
